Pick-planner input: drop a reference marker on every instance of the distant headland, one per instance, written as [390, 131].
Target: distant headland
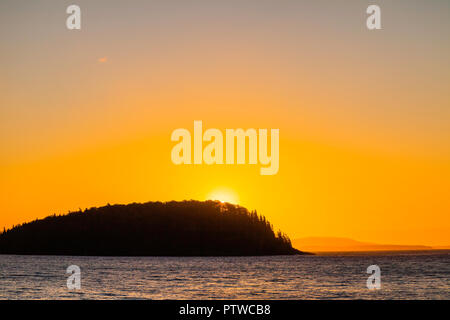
[335, 244]
[186, 228]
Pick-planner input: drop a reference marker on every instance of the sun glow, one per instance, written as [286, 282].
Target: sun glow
[223, 195]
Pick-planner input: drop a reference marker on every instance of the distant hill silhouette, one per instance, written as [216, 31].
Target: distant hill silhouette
[187, 228]
[334, 244]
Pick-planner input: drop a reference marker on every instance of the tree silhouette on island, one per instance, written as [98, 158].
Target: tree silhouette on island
[186, 228]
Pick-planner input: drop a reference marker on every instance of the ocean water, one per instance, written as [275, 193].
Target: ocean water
[418, 275]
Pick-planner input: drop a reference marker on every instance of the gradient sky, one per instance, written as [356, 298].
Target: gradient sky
[364, 116]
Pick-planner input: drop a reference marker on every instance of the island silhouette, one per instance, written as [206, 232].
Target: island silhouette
[185, 228]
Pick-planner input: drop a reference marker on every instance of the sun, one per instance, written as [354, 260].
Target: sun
[223, 195]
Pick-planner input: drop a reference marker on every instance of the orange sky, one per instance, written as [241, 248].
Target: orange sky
[86, 116]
